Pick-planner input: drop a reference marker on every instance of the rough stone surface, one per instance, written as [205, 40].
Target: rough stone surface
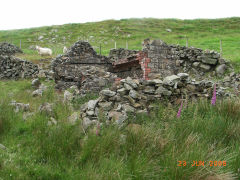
[80, 66]
[67, 97]
[167, 59]
[108, 93]
[205, 67]
[116, 54]
[171, 80]
[87, 122]
[15, 68]
[105, 105]
[36, 83]
[163, 91]
[221, 69]
[9, 49]
[92, 104]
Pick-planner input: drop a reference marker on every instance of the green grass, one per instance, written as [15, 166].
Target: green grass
[150, 151]
[202, 33]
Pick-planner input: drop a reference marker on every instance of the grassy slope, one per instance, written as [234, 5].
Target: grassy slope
[204, 34]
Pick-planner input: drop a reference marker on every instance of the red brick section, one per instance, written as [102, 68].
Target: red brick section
[143, 61]
[117, 79]
[121, 61]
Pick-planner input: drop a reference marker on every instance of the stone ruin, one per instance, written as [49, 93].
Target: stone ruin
[81, 66]
[157, 72]
[12, 67]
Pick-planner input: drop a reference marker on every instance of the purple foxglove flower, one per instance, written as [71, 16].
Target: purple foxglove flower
[179, 110]
[214, 97]
[98, 130]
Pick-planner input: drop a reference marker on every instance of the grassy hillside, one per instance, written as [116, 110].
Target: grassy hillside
[202, 33]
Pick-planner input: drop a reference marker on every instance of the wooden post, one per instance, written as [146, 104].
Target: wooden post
[115, 45]
[186, 41]
[126, 45]
[220, 48]
[20, 44]
[100, 49]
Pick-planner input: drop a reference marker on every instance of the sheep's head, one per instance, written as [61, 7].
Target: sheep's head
[37, 47]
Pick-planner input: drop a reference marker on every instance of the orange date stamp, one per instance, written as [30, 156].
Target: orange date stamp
[202, 163]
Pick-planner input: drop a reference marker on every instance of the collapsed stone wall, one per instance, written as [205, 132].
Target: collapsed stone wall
[13, 68]
[172, 59]
[70, 69]
[9, 49]
[135, 96]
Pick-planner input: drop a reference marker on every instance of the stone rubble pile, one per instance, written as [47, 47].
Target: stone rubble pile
[9, 49]
[135, 96]
[13, 68]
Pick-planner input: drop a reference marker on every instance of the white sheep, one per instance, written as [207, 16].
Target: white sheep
[44, 51]
[65, 50]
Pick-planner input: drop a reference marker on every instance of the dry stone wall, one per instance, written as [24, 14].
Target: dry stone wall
[172, 59]
[9, 49]
[14, 68]
[135, 96]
